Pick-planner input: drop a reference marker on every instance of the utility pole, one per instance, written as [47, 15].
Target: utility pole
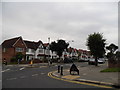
[49, 51]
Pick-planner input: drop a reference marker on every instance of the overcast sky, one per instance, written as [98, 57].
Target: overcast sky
[60, 20]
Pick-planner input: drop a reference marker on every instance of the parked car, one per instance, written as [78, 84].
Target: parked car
[83, 59]
[91, 61]
[101, 60]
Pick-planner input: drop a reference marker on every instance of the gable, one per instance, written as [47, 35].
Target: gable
[9, 43]
[19, 43]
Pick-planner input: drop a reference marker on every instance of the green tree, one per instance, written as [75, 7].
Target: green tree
[19, 56]
[117, 55]
[112, 48]
[96, 45]
[53, 47]
[59, 47]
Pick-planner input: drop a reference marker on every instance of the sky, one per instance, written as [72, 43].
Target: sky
[71, 21]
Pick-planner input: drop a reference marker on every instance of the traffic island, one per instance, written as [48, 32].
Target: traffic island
[78, 80]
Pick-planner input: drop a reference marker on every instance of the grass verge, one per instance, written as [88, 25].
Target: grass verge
[111, 70]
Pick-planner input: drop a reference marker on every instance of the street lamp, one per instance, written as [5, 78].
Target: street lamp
[49, 62]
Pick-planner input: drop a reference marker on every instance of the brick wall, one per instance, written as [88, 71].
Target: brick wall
[11, 52]
[8, 54]
[21, 45]
[114, 64]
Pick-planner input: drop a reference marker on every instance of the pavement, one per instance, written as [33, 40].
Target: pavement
[91, 74]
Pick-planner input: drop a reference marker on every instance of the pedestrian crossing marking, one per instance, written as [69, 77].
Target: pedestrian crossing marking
[71, 77]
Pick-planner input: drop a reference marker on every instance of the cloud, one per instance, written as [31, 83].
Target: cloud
[67, 20]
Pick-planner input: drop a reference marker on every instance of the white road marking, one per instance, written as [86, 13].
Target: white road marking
[22, 68]
[11, 78]
[34, 74]
[5, 70]
[42, 73]
[84, 74]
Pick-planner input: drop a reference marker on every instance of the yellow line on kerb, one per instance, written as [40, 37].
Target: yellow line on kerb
[102, 86]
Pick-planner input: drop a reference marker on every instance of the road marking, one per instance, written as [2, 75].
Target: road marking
[5, 70]
[22, 68]
[11, 78]
[42, 73]
[34, 74]
[84, 74]
[42, 66]
[71, 77]
[84, 83]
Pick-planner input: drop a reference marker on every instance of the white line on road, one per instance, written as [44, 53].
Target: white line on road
[34, 74]
[22, 68]
[42, 73]
[5, 70]
[11, 78]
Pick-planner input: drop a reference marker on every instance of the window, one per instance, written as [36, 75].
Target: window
[41, 50]
[19, 49]
[4, 49]
[47, 51]
[27, 50]
[32, 50]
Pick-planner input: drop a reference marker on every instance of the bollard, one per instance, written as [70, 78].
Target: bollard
[58, 68]
[5, 63]
[61, 70]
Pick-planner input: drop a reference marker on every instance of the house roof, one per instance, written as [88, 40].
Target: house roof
[45, 44]
[32, 45]
[10, 42]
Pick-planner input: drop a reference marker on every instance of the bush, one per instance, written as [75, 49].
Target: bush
[13, 59]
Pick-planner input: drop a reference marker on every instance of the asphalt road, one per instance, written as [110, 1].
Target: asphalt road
[21, 77]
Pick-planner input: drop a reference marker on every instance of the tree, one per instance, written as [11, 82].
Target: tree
[19, 56]
[59, 47]
[53, 47]
[111, 55]
[112, 48]
[96, 45]
[117, 55]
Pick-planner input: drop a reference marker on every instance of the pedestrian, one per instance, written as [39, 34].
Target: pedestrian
[4, 61]
[51, 62]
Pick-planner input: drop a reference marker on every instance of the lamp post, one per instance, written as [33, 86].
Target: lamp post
[49, 62]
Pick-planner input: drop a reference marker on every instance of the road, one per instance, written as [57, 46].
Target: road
[21, 77]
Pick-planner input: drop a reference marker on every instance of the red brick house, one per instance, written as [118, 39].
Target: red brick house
[11, 47]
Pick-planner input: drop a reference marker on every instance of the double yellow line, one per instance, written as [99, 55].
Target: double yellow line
[77, 82]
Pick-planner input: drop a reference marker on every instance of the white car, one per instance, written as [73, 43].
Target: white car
[101, 60]
[92, 61]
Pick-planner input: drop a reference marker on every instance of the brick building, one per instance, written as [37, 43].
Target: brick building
[13, 46]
